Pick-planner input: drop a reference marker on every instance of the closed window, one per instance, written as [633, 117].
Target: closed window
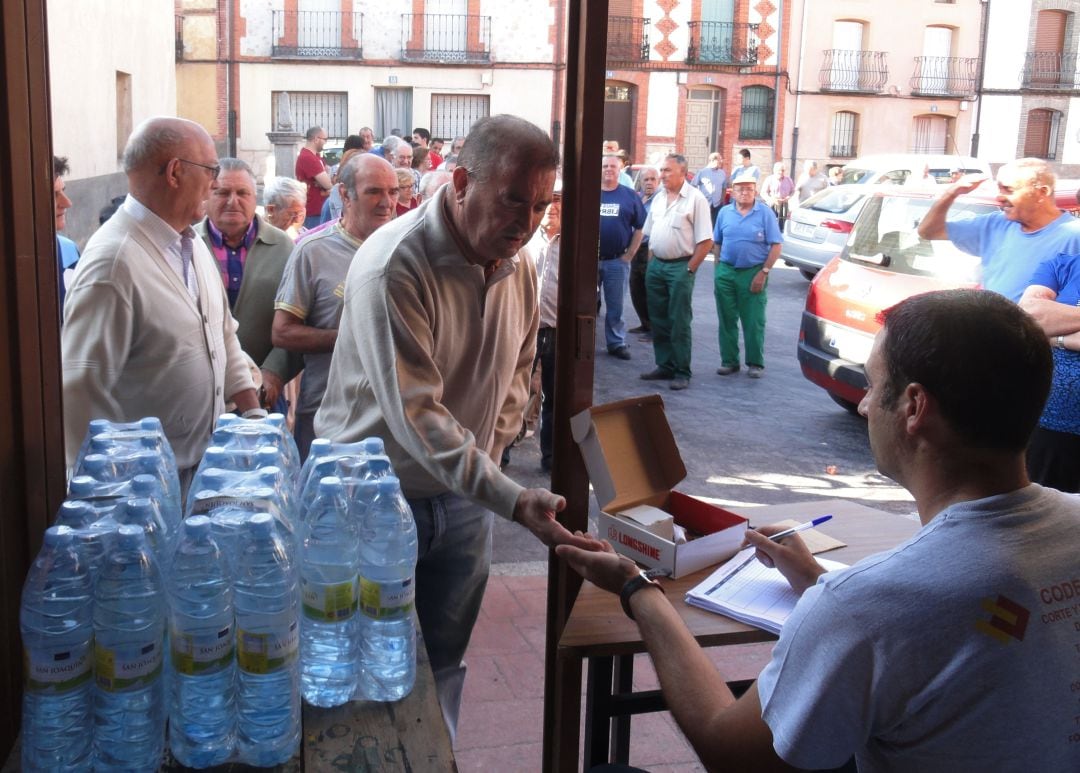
[328, 109]
[1041, 137]
[845, 135]
[453, 114]
[756, 120]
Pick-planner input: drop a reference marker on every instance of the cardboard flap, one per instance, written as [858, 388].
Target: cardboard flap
[629, 451]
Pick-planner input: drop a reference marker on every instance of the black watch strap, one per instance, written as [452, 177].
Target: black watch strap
[632, 586]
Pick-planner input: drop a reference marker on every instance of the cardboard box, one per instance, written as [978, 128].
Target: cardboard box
[632, 459]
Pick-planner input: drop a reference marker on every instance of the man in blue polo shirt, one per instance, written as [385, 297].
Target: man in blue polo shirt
[748, 240]
[622, 217]
[1029, 229]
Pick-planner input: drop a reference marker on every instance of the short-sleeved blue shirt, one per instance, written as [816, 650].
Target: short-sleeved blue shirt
[1009, 255]
[1062, 413]
[621, 213]
[745, 240]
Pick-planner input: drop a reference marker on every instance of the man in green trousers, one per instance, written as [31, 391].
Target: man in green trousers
[748, 238]
[679, 229]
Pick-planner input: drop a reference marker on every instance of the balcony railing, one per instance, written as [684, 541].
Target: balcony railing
[317, 35]
[445, 37]
[1050, 70]
[627, 39]
[843, 151]
[945, 76]
[853, 70]
[721, 42]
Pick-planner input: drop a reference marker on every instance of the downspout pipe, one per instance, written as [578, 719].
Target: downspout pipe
[983, 39]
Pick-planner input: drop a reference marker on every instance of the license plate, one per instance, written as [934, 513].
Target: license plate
[848, 344]
[804, 230]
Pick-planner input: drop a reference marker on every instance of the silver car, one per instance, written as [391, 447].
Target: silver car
[818, 229]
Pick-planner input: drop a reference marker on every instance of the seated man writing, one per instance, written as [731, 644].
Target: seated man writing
[957, 650]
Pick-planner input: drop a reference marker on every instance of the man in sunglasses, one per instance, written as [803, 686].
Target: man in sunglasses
[147, 329]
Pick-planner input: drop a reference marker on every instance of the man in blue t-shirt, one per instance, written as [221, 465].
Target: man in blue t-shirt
[748, 239]
[622, 216]
[1028, 230]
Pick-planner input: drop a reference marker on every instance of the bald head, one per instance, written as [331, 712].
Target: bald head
[171, 164]
[156, 140]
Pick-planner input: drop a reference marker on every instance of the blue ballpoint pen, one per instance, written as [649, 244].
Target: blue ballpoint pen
[801, 527]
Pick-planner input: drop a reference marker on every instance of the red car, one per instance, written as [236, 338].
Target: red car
[883, 262]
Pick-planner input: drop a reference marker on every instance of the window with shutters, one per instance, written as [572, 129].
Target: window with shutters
[328, 109]
[756, 118]
[1050, 64]
[453, 114]
[1042, 134]
[845, 135]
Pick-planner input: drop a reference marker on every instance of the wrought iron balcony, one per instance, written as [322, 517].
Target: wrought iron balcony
[317, 35]
[854, 70]
[721, 42]
[945, 76]
[627, 39]
[1050, 70]
[445, 37]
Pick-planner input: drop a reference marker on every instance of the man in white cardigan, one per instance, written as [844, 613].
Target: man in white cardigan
[147, 328]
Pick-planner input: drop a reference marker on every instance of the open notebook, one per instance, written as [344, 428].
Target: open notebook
[748, 591]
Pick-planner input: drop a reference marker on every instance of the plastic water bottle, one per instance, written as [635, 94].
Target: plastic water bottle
[202, 710]
[267, 643]
[145, 514]
[328, 589]
[387, 590]
[93, 535]
[129, 634]
[57, 626]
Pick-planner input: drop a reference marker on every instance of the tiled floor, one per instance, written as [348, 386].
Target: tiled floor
[501, 723]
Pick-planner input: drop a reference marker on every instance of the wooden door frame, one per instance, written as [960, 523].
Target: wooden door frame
[31, 417]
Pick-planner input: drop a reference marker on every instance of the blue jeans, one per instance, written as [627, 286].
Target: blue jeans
[614, 275]
[454, 552]
[312, 220]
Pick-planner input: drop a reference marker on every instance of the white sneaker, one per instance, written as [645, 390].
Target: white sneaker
[755, 371]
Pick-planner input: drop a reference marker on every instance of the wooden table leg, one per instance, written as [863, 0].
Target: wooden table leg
[598, 711]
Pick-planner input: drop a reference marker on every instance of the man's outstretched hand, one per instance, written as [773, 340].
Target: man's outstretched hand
[535, 510]
[601, 566]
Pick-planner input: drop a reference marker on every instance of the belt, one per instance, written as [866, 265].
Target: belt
[683, 259]
[610, 257]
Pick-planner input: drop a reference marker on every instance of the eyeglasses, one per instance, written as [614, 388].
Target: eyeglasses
[214, 170]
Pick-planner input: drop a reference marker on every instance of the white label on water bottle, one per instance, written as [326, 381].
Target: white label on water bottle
[58, 671]
[328, 602]
[204, 506]
[381, 600]
[267, 652]
[129, 665]
[201, 653]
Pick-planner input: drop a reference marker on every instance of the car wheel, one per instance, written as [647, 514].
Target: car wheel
[847, 405]
[807, 274]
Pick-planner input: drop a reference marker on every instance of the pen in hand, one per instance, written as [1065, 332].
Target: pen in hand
[801, 527]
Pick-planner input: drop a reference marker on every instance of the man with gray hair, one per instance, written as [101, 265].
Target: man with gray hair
[434, 355]
[309, 298]
[810, 182]
[285, 204]
[431, 182]
[147, 329]
[251, 256]
[1011, 242]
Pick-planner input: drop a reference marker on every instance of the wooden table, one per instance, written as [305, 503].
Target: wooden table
[598, 630]
[409, 735]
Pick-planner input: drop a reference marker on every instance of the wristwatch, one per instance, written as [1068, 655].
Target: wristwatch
[1059, 342]
[633, 585]
[689, 270]
[766, 270]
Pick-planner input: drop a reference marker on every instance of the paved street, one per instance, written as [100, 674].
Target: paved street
[744, 441]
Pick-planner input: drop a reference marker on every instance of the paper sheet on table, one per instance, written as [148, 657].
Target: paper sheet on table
[748, 591]
[815, 541]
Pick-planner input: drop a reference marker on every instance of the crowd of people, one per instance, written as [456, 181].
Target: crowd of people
[420, 308]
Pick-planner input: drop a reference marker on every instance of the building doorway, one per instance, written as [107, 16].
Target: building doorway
[619, 100]
[704, 111]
